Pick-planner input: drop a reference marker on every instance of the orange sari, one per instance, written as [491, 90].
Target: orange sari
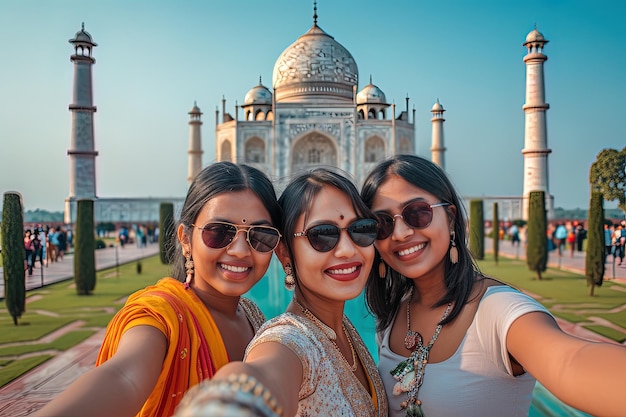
[195, 347]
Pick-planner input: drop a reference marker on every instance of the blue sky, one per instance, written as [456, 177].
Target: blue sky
[155, 58]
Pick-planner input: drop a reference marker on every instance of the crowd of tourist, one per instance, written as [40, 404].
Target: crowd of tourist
[45, 244]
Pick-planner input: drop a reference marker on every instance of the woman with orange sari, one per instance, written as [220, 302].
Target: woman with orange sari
[171, 336]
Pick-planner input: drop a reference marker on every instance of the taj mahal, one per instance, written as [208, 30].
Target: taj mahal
[314, 114]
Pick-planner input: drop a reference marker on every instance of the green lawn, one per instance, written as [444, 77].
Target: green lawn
[51, 308]
[55, 306]
[565, 294]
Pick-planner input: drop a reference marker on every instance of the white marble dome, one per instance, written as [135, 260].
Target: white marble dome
[371, 94]
[82, 36]
[315, 68]
[535, 36]
[259, 94]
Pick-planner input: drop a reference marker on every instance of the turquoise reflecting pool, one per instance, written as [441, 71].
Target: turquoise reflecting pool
[272, 297]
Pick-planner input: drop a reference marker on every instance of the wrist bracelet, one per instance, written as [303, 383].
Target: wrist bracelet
[239, 395]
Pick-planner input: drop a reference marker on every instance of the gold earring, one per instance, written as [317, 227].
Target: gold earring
[454, 252]
[290, 280]
[188, 269]
[382, 269]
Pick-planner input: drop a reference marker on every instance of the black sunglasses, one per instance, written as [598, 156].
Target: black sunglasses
[217, 235]
[324, 237]
[417, 215]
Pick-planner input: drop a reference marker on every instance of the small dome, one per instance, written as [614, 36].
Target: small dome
[371, 94]
[195, 109]
[437, 107]
[535, 36]
[258, 95]
[82, 36]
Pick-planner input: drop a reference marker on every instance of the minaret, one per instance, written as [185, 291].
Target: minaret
[82, 151]
[195, 143]
[437, 149]
[535, 132]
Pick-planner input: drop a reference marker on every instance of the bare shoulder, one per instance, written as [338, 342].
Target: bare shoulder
[482, 283]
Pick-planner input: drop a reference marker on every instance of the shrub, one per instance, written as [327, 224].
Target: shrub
[84, 249]
[13, 254]
[477, 229]
[594, 261]
[537, 246]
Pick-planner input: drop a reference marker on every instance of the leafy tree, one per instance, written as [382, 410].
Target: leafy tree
[496, 234]
[594, 261]
[537, 246]
[84, 249]
[477, 229]
[166, 226]
[608, 176]
[13, 254]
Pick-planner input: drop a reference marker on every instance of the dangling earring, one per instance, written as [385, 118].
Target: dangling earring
[454, 252]
[188, 269]
[382, 270]
[290, 281]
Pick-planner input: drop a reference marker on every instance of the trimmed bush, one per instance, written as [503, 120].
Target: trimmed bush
[84, 249]
[477, 229]
[496, 232]
[594, 260]
[13, 254]
[166, 235]
[537, 247]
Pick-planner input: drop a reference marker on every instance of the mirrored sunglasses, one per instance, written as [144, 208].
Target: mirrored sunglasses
[217, 235]
[417, 215]
[324, 237]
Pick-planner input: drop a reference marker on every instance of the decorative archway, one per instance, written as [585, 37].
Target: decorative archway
[254, 150]
[312, 150]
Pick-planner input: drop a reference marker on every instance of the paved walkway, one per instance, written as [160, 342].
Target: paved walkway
[64, 269]
[33, 390]
[575, 263]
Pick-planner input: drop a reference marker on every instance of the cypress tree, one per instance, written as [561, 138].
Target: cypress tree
[477, 229]
[13, 254]
[594, 260]
[537, 247]
[84, 249]
[166, 227]
[496, 232]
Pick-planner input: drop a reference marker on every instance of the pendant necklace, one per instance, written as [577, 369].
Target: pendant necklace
[330, 333]
[410, 372]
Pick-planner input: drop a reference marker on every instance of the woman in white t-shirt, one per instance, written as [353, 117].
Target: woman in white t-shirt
[453, 342]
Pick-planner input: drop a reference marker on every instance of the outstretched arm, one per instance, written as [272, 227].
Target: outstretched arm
[267, 383]
[586, 375]
[121, 385]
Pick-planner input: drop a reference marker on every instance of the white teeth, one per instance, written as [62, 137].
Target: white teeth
[234, 268]
[412, 250]
[342, 271]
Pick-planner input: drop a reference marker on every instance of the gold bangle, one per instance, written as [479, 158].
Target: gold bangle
[238, 393]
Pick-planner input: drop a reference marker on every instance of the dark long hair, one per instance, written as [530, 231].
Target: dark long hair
[385, 295]
[298, 196]
[215, 179]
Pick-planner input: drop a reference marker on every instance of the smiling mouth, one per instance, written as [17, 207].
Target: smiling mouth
[232, 268]
[411, 250]
[343, 271]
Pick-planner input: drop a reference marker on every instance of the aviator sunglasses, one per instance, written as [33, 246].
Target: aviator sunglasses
[217, 235]
[417, 215]
[324, 237]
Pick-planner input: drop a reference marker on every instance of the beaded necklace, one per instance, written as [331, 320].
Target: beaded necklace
[410, 372]
[330, 333]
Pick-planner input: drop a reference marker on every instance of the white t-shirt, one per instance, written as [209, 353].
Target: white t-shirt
[477, 380]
